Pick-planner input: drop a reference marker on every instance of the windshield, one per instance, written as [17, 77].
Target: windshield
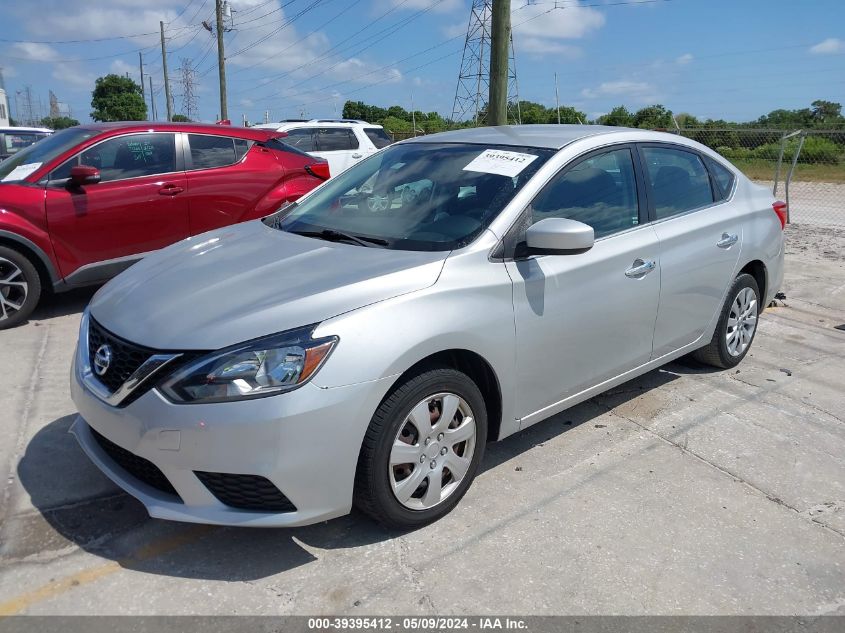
[416, 196]
[29, 159]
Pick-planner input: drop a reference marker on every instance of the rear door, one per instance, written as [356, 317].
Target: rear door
[227, 178]
[339, 146]
[137, 207]
[700, 236]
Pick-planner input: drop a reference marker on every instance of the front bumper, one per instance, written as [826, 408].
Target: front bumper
[306, 442]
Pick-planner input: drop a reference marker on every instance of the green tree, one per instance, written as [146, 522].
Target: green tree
[117, 98]
[826, 112]
[58, 122]
[653, 116]
[685, 119]
[620, 115]
[180, 118]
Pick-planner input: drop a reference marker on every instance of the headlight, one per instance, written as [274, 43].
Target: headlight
[263, 367]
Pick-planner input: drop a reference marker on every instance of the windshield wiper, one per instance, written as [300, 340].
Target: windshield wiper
[334, 236]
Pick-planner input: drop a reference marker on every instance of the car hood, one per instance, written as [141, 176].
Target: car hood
[250, 280]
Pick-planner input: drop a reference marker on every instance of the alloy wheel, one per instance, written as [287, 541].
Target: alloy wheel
[432, 451]
[742, 322]
[13, 289]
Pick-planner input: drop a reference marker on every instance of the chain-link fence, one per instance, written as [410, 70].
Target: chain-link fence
[806, 168]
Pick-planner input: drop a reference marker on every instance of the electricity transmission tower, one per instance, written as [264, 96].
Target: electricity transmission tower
[189, 97]
[474, 79]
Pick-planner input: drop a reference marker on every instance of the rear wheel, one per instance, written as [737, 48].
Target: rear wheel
[20, 287]
[422, 449]
[736, 327]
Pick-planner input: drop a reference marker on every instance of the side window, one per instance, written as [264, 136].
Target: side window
[132, 156]
[378, 136]
[300, 138]
[679, 181]
[600, 191]
[62, 172]
[724, 178]
[332, 139]
[211, 151]
[242, 147]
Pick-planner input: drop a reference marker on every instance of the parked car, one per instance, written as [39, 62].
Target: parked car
[14, 139]
[87, 202]
[277, 372]
[342, 142]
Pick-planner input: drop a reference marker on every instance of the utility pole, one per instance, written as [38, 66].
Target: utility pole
[557, 100]
[221, 60]
[141, 66]
[500, 37]
[164, 70]
[153, 110]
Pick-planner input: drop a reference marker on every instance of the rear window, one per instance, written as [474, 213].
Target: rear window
[212, 151]
[282, 145]
[378, 136]
[724, 178]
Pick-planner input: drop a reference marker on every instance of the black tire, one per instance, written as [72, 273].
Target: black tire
[373, 492]
[716, 352]
[12, 261]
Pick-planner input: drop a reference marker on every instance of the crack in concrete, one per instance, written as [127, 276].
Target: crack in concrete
[685, 449]
[412, 573]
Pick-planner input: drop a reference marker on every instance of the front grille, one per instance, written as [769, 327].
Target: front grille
[246, 492]
[140, 468]
[126, 357]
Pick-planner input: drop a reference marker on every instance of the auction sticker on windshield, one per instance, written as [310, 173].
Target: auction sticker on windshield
[21, 171]
[501, 162]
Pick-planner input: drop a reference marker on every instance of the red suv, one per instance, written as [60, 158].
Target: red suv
[82, 205]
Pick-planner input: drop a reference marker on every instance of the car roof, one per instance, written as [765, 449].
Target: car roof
[318, 123]
[251, 133]
[547, 136]
[18, 128]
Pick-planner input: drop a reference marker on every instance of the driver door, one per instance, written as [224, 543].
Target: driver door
[139, 205]
[584, 318]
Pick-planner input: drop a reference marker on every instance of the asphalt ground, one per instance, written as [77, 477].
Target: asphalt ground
[685, 491]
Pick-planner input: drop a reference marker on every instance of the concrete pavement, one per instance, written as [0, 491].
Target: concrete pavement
[686, 491]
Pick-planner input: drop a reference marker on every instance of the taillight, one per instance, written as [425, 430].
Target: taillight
[320, 170]
[781, 210]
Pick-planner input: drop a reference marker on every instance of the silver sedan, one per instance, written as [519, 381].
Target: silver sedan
[362, 346]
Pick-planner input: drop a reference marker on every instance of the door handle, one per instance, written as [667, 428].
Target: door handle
[640, 268]
[727, 240]
[357, 155]
[170, 189]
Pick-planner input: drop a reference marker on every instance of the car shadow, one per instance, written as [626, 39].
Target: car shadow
[63, 303]
[113, 525]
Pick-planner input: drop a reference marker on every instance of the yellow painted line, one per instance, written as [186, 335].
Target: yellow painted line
[60, 586]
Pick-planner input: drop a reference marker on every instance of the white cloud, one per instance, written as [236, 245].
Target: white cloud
[638, 91]
[444, 6]
[34, 52]
[829, 46]
[120, 67]
[539, 31]
[539, 46]
[684, 59]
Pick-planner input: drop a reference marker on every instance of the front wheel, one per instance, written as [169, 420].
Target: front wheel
[736, 327]
[422, 449]
[20, 287]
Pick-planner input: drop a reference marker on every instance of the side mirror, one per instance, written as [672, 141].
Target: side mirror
[559, 236]
[84, 175]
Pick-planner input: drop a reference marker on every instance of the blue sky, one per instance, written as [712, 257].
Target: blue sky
[731, 59]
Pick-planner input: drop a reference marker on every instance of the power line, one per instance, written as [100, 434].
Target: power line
[389, 30]
[86, 41]
[284, 25]
[349, 7]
